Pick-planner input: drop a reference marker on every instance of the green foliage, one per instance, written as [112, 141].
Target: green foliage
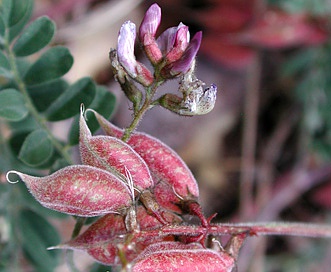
[36, 36]
[66, 105]
[54, 63]
[38, 234]
[35, 153]
[43, 95]
[32, 93]
[12, 106]
[17, 14]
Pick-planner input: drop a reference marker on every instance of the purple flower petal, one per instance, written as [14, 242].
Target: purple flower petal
[125, 47]
[167, 39]
[172, 37]
[184, 63]
[182, 37]
[151, 22]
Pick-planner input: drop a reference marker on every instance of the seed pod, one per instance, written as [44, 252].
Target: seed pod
[113, 155]
[174, 182]
[79, 190]
[102, 238]
[175, 256]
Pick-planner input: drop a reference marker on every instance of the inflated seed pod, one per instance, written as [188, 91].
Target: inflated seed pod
[102, 238]
[178, 257]
[112, 154]
[79, 190]
[175, 185]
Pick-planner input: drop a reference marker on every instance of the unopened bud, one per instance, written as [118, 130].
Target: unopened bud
[126, 57]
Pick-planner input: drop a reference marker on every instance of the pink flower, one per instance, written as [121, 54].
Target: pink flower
[150, 23]
[172, 48]
[126, 57]
[125, 48]
[172, 51]
[186, 60]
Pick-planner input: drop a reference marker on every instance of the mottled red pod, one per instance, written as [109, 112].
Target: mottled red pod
[177, 257]
[100, 240]
[174, 182]
[79, 190]
[112, 154]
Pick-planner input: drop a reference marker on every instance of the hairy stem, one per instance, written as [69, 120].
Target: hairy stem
[150, 92]
[269, 228]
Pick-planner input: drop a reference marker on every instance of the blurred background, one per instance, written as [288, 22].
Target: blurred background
[263, 153]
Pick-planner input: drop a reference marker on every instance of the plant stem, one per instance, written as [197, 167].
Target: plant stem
[150, 92]
[29, 104]
[249, 140]
[269, 228]
[80, 221]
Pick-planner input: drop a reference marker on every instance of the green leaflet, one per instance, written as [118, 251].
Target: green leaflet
[35, 37]
[12, 105]
[36, 149]
[68, 103]
[54, 63]
[103, 103]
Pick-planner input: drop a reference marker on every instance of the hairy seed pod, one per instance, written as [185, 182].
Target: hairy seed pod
[112, 154]
[174, 182]
[79, 190]
[178, 257]
[102, 238]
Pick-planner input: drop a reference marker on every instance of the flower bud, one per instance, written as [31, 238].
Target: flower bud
[183, 64]
[172, 52]
[147, 31]
[126, 57]
[125, 48]
[79, 190]
[150, 22]
[174, 256]
[181, 40]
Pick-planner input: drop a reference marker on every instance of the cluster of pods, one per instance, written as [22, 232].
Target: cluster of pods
[134, 186]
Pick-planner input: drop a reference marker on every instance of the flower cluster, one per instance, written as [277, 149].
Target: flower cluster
[172, 55]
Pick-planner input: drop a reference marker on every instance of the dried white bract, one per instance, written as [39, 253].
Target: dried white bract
[196, 99]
